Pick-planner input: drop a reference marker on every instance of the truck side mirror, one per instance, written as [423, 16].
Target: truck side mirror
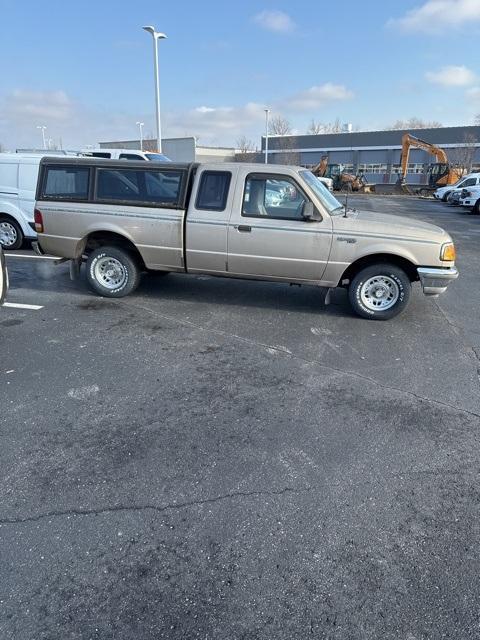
[310, 214]
[3, 278]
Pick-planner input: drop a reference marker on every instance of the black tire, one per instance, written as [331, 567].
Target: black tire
[476, 208]
[403, 289]
[13, 228]
[445, 196]
[127, 272]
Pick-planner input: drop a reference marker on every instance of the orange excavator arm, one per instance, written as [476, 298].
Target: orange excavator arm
[321, 168]
[409, 141]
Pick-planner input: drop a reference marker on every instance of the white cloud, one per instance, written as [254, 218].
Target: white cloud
[451, 76]
[276, 21]
[79, 124]
[21, 111]
[317, 96]
[435, 16]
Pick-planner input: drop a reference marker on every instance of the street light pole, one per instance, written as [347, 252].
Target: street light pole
[140, 124]
[156, 37]
[267, 113]
[43, 128]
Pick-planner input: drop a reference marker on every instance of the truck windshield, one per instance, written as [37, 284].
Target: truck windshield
[331, 204]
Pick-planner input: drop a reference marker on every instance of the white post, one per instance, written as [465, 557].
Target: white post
[157, 95]
[42, 127]
[267, 112]
[156, 36]
[140, 124]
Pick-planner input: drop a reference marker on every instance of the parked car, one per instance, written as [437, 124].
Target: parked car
[18, 181]
[126, 217]
[3, 278]
[125, 154]
[471, 198]
[443, 193]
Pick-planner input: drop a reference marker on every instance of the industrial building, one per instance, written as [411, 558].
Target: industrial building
[377, 153]
[178, 149]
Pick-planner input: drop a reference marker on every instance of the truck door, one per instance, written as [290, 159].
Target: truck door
[207, 221]
[268, 235]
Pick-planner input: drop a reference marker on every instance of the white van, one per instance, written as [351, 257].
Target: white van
[18, 183]
[125, 154]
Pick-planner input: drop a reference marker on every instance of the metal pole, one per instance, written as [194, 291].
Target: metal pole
[267, 111]
[140, 124]
[157, 94]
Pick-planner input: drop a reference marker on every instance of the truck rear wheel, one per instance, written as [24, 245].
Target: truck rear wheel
[112, 272]
[380, 292]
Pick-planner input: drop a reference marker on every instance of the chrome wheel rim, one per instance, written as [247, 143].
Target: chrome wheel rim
[110, 273]
[8, 234]
[379, 293]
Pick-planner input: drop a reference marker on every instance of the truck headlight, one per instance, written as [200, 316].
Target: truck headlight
[448, 252]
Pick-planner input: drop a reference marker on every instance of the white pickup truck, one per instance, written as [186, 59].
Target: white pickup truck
[253, 221]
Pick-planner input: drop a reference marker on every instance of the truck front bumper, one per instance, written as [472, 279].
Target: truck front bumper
[435, 281]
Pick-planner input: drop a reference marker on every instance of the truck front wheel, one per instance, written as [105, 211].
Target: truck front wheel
[379, 292]
[112, 272]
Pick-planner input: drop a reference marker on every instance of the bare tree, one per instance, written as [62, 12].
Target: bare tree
[477, 118]
[279, 126]
[246, 150]
[315, 127]
[463, 156]
[333, 127]
[415, 123]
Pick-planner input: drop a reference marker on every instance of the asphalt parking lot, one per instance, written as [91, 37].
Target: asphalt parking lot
[225, 459]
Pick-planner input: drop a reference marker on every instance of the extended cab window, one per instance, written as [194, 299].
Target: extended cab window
[213, 191]
[66, 183]
[139, 186]
[273, 197]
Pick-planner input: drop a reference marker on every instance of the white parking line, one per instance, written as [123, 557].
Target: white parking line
[30, 257]
[17, 305]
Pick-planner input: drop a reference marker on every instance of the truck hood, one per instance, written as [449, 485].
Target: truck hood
[385, 224]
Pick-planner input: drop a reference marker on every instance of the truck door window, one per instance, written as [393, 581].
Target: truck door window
[151, 187]
[272, 197]
[70, 183]
[213, 191]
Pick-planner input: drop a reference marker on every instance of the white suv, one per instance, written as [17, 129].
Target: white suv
[470, 180]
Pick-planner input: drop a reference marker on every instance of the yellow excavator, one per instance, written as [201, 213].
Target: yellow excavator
[440, 173]
[342, 181]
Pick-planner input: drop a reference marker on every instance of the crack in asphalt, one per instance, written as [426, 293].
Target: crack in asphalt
[175, 506]
[290, 354]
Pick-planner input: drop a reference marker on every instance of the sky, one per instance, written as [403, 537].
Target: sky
[85, 69]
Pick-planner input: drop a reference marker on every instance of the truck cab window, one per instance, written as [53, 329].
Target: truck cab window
[213, 190]
[272, 197]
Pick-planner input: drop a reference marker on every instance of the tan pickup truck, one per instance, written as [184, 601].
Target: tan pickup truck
[253, 221]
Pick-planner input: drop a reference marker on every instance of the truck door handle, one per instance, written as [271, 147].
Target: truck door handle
[244, 227]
